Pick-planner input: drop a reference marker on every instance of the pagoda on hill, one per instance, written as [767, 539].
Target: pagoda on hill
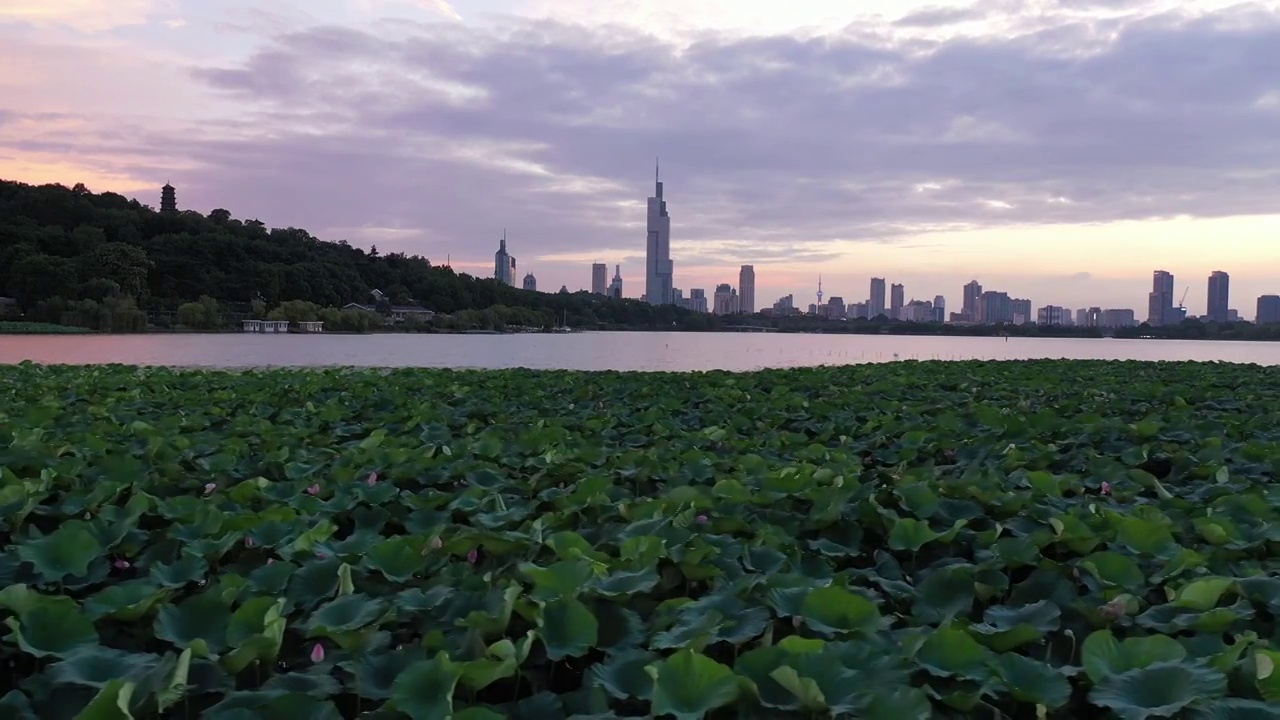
[168, 199]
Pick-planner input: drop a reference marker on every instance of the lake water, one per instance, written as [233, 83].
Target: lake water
[596, 351]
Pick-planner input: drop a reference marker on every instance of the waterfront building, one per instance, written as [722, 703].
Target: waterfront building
[698, 300]
[917, 311]
[747, 289]
[897, 294]
[599, 278]
[1160, 299]
[939, 309]
[1021, 310]
[994, 308]
[659, 269]
[615, 287]
[726, 300]
[1119, 318]
[530, 282]
[1268, 310]
[786, 305]
[972, 291]
[875, 305]
[1053, 315]
[504, 266]
[1218, 309]
[835, 307]
[857, 310]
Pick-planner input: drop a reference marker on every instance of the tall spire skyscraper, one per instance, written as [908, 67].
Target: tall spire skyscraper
[658, 266]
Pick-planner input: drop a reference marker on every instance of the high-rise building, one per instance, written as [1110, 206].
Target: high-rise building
[1053, 315]
[1219, 297]
[168, 199]
[726, 300]
[1268, 310]
[530, 282]
[615, 287]
[698, 300]
[994, 308]
[835, 307]
[972, 291]
[1021, 309]
[1118, 318]
[917, 311]
[1160, 300]
[599, 278]
[747, 290]
[897, 297]
[504, 266]
[786, 305]
[939, 308]
[856, 311]
[658, 266]
[875, 305]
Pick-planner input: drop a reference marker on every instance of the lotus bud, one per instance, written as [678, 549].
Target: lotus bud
[1106, 488]
[317, 653]
[314, 489]
[121, 564]
[473, 556]
[209, 488]
[248, 541]
[436, 542]
[702, 519]
[372, 480]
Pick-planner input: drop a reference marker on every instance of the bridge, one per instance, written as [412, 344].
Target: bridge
[747, 328]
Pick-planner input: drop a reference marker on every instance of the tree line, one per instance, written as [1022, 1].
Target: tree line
[79, 255]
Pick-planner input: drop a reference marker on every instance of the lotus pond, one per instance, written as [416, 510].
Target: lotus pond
[915, 540]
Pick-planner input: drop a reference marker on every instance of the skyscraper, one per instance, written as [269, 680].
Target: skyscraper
[972, 291]
[939, 308]
[875, 305]
[1268, 310]
[897, 298]
[530, 282]
[1160, 300]
[599, 278]
[658, 265]
[168, 199]
[1219, 296]
[504, 266]
[726, 300]
[747, 290]
[615, 287]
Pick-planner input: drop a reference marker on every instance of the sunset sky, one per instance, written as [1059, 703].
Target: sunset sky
[1060, 150]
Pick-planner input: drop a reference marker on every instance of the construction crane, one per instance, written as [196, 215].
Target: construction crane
[1182, 303]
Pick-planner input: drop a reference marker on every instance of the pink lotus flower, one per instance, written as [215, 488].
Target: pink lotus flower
[702, 519]
[314, 489]
[1106, 488]
[248, 541]
[270, 560]
[436, 542]
[209, 488]
[121, 564]
[372, 480]
[473, 556]
[317, 653]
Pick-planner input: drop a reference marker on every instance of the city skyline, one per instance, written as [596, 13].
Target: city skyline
[961, 145]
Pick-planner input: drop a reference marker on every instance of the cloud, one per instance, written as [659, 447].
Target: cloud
[442, 7]
[936, 16]
[83, 15]
[775, 148]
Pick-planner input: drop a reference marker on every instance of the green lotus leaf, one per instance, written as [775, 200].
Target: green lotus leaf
[95, 666]
[757, 666]
[424, 690]
[627, 583]
[111, 702]
[397, 558]
[911, 534]
[944, 594]
[570, 546]
[200, 618]
[17, 706]
[1032, 681]
[950, 651]
[688, 685]
[834, 610]
[319, 685]
[623, 675]
[1157, 690]
[478, 713]
[1203, 593]
[18, 599]
[344, 614]
[1267, 673]
[128, 601]
[251, 618]
[69, 550]
[52, 628]
[1102, 656]
[565, 579]
[186, 569]
[805, 690]
[1115, 569]
[1144, 536]
[1235, 709]
[567, 628]
[1005, 628]
[899, 703]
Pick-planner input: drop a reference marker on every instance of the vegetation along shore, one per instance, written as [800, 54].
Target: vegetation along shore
[916, 540]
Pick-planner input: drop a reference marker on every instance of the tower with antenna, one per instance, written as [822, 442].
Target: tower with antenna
[819, 289]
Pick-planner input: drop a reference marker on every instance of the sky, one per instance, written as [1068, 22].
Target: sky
[1059, 150]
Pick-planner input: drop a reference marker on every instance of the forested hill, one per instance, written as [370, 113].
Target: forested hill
[69, 243]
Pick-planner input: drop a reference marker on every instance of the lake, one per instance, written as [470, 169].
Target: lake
[596, 351]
